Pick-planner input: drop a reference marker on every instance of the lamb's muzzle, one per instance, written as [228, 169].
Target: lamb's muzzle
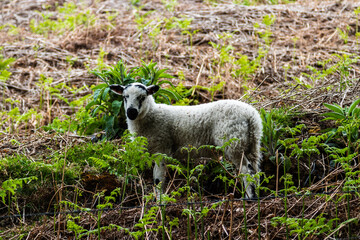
[132, 113]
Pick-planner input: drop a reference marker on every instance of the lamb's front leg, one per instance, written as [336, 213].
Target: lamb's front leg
[159, 174]
[162, 146]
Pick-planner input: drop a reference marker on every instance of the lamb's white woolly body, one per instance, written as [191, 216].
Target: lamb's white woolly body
[169, 128]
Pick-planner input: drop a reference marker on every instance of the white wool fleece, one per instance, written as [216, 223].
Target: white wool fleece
[169, 128]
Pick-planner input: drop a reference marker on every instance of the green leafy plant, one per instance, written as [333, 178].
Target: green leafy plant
[132, 158]
[224, 49]
[9, 187]
[4, 65]
[111, 17]
[100, 60]
[154, 33]
[260, 179]
[266, 34]
[20, 166]
[348, 120]
[343, 146]
[4, 73]
[307, 228]
[257, 2]
[344, 35]
[16, 119]
[357, 34]
[245, 67]
[108, 108]
[212, 89]
[170, 5]
[82, 123]
[49, 90]
[275, 126]
[164, 200]
[69, 18]
[146, 223]
[340, 63]
[239, 65]
[186, 94]
[126, 161]
[190, 175]
[340, 114]
[271, 133]
[11, 29]
[78, 230]
[142, 22]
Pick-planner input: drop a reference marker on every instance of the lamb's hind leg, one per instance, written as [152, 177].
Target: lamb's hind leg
[253, 167]
[241, 161]
[248, 184]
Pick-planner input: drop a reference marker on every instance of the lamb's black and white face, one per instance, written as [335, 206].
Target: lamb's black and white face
[135, 96]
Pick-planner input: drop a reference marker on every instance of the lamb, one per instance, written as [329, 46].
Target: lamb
[169, 128]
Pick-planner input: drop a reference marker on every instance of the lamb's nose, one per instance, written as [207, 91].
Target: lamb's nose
[132, 113]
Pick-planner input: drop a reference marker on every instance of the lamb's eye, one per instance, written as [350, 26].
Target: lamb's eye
[141, 98]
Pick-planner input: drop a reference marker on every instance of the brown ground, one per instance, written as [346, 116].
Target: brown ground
[303, 34]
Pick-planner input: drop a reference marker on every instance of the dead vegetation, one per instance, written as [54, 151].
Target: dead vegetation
[305, 38]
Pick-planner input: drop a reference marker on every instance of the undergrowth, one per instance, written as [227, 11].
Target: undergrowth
[70, 17]
[310, 173]
[128, 159]
[124, 163]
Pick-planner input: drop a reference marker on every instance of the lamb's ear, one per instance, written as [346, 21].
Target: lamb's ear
[152, 89]
[116, 88]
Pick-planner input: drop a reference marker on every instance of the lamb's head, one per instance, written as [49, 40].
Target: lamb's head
[137, 98]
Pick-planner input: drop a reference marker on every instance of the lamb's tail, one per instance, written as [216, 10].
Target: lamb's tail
[255, 135]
